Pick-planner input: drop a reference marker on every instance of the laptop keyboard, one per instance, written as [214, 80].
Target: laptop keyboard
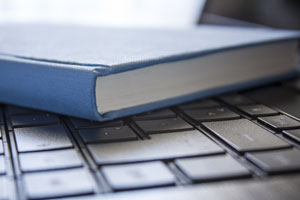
[245, 135]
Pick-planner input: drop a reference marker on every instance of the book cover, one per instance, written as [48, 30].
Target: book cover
[54, 68]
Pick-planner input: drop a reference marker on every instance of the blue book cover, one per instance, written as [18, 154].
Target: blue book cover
[56, 68]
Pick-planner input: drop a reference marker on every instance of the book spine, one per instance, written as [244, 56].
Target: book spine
[68, 90]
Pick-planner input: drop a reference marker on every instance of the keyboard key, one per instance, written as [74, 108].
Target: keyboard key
[160, 146]
[5, 188]
[109, 134]
[257, 110]
[57, 183]
[163, 125]
[277, 161]
[1, 120]
[82, 123]
[2, 165]
[280, 98]
[140, 175]
[279, 122]
[49, 160]
[33, 120]
[159, 114]
[211, 168]
[0, 134]
[294, 134]
[206, 103]
[236, 99]
[15, 110]
[211, 114]
[42, 138]
[243, 135]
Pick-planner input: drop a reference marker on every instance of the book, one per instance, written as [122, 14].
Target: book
[103, 73]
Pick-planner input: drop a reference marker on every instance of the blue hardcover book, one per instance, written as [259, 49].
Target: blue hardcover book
[106, 73]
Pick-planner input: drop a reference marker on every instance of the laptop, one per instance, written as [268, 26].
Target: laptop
[240, 145]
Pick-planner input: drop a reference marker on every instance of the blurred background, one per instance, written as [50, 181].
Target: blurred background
[157, 13]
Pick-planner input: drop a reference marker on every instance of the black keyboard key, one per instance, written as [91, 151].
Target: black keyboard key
[294, 134]
[158, 114]
[206, 103]
[82, 123]
[57, 184]
[2, 165]
[140, 175]
[211, 114]
[49, 160]
[1, 120]
[1, 147]
[160, 146]
[163, 125]
[0, 134]
[15, 110]
[109, 134]
[212, 168]
[280, 98]
[277, 161]
[236, 99]
[42, 138]
[280, 122]
[243, 135]
[257, 110]
[33, 120]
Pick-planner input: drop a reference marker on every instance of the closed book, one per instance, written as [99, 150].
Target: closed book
[102, 73]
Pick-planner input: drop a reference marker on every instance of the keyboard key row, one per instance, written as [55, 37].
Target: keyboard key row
[243, 135]
[160, 146]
